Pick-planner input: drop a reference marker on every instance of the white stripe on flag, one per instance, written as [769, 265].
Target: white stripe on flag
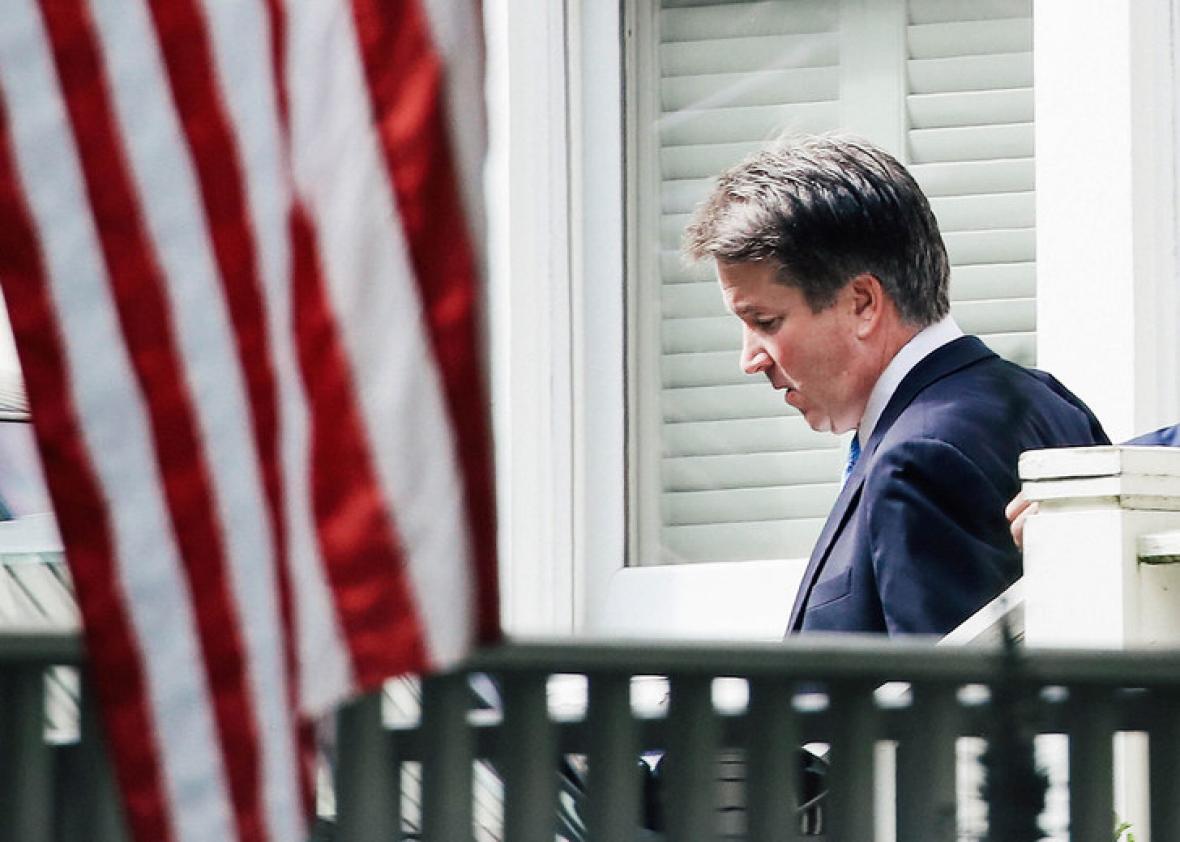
[174, 219]
[241, 52]
[116, 434]
[397, 380]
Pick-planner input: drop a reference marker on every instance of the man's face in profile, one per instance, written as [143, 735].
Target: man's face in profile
[811, 356]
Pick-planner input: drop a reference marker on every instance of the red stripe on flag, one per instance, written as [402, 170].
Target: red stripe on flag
[81, 510]
[182, 33]
[362, 555]
[361, 551]
[406, 84]
[137, 284]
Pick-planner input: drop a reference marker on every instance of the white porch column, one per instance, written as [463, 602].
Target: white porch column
[1108, 305]
[1100, 571]
[1085, 585]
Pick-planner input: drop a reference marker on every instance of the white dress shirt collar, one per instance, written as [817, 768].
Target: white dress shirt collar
[924, 342]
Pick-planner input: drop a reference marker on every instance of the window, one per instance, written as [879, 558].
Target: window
[720, 468]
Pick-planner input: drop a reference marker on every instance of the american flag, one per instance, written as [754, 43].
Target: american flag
[238, 246]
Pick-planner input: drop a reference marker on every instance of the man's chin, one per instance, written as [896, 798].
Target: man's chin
[817, 422]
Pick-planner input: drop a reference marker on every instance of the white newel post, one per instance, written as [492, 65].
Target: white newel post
[1100, 567]
[1085, 583]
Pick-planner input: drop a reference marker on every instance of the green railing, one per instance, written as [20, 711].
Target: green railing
[1086, 696]
[51, 787]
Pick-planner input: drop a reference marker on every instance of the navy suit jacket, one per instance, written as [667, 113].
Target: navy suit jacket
[917, 540]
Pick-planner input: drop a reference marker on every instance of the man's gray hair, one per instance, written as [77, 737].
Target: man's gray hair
[826, 209]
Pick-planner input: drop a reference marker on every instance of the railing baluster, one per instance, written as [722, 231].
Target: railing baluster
[773, 766]
[26, 762]
[1091, 759]
[446, 759]
[614, 786]
[528, 757]
[368, 790]
[91, 809]
[1164, 764]
[848, 813]
[926, 766]
[690, 766]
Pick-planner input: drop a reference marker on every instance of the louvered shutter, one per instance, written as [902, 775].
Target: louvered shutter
[969, 110]
[737, 473]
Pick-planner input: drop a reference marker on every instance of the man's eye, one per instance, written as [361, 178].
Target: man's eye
[766, 325]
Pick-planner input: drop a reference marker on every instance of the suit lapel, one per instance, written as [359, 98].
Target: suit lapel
[832, 526]
[948, 359]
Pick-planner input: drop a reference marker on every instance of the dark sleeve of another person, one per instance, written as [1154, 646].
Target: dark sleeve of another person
[1163, 437]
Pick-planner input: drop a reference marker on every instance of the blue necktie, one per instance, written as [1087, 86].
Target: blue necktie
[853, 455]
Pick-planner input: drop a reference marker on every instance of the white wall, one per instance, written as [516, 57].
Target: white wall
[1108, 310]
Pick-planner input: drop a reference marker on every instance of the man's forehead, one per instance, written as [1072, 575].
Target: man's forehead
[747, 271]
[748, 286]
[743, 308]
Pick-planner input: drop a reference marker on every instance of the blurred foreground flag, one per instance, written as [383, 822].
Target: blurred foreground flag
[237, 244]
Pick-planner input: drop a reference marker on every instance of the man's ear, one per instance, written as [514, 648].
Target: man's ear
[868, 302]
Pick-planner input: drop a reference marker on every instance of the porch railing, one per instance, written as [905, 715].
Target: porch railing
[785, 695]
[55, 777]
[1087, 697]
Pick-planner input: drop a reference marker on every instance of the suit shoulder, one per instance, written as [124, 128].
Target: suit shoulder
[995, 391]
[992, 411]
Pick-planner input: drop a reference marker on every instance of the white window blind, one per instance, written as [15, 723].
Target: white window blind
[969, 109]
[723, 468]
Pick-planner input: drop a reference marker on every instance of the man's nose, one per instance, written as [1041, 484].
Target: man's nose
[754, 358]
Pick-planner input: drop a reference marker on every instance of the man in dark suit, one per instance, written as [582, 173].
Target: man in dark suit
[828, 252]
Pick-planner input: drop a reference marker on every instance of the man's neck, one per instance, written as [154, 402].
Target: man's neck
[917, 346]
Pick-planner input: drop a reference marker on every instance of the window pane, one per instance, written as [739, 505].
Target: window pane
[723, 469]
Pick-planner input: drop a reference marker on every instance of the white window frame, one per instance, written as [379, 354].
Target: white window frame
[529, 303]
[1107, 313]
